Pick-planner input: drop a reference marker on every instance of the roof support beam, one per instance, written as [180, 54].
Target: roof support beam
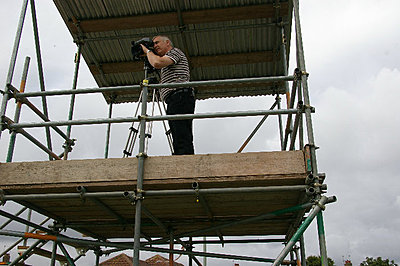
[171, 18]
[199, 61]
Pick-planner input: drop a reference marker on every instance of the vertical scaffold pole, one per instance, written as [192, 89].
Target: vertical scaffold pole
[302, 67]
[171, 247]
[18, 110]
[310, 134]
[190, 249]
[302, 251]
[27, 226]
[98, 254]
[285, 73]
[278, 100]
[301, 131]
[40, 71]
[53, 254]
[139, 187]
[322, 241]
[72, 102]
[205, 251]
[284, 64]
[108, 131]
[13, 59]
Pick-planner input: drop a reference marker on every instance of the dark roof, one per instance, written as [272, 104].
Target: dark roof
[222, 39]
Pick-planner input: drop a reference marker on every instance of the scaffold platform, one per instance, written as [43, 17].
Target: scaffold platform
[179, 194]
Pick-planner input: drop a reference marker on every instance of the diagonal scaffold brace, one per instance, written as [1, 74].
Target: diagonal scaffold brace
[318, 207]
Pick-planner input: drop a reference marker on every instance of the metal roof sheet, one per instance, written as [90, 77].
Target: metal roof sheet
[222, 40]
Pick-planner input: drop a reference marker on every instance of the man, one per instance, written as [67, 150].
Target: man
[174, 68]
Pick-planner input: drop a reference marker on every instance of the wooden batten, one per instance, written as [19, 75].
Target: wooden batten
[210, 170]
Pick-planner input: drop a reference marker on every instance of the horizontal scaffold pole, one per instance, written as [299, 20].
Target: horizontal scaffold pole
[20, 240]
[153, 118]
[154, 192]
[236, 241]
[62, 239]
[169, 85]
[207, 254]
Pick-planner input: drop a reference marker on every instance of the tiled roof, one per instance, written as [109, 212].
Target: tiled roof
[125, 260]
[121, 260]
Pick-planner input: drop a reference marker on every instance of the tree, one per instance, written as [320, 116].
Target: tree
[316, 261]
[377, 262]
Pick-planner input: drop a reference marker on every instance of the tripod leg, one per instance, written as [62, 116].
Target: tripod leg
[167, 131]
[130, 143]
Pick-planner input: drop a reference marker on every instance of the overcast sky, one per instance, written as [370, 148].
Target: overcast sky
[352, 51]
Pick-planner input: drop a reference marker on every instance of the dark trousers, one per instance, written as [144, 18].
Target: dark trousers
[181, 102]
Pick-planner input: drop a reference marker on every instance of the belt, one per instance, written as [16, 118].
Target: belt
[179, 91]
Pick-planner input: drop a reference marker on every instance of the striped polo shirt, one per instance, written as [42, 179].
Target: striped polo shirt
[176, 72]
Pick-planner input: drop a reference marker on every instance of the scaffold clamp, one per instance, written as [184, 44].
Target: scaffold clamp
[141, 155]
[310, 178]
[196, 187]
[310, 190]
[3, 124]
[142, 117]
[305, 73]
[133, 196]
[322, 206]
[68, 144]
[82, 191]
[307, 106]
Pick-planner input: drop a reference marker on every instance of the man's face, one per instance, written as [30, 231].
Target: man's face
[161, 47]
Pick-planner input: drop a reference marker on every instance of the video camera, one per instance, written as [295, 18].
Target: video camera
[137, 51]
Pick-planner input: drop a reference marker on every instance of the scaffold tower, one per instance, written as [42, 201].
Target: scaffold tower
[235, 48]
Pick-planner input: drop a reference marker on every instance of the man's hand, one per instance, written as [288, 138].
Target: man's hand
[155, 60]
[144, 48]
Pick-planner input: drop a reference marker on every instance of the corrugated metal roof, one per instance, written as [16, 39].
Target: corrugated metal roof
[222, 39]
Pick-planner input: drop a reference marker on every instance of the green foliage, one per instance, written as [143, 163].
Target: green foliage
[316, 261]
[377, 262]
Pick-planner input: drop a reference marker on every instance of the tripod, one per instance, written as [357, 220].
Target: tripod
[133, 132]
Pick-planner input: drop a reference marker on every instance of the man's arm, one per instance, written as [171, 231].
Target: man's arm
[155, 60]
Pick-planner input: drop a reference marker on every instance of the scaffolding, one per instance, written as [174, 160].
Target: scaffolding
[301, 190]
